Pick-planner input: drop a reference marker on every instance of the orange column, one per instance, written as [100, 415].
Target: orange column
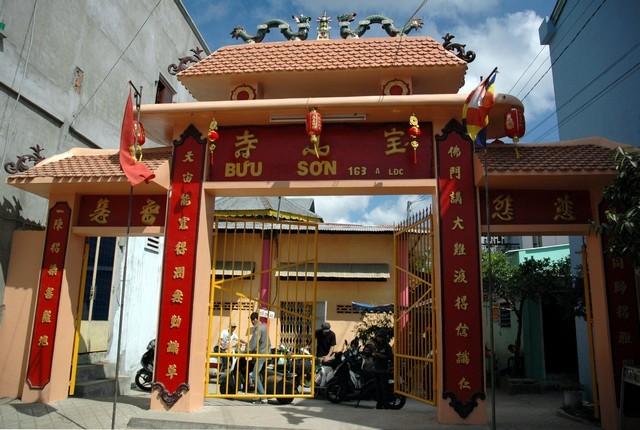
[601, 335]
[58, 386]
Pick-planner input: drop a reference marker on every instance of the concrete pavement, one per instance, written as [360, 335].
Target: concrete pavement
[526, 411]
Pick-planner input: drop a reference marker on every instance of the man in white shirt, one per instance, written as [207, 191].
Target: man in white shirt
[229, 339]
[227, 343]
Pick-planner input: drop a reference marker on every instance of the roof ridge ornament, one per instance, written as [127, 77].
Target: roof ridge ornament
[323, 27]
[302, 33]
[458, 49]
[363, 26]
[184, 62]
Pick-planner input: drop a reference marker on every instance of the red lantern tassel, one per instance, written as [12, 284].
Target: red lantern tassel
[415, 155]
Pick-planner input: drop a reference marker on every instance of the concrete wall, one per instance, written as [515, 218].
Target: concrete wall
[43, 47]
[332, 248]
[141, 303]
[611, 35]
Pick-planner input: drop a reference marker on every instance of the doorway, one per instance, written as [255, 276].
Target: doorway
[95, 328]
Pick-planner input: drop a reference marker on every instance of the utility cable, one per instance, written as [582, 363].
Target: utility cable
[585, 87]
[75, 116]
[565, 48]
[595, 97]
[524, 72]
[32, 29]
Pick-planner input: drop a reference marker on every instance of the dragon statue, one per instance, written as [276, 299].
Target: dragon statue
[285, 29]
[183, 62]
[458, 48]
[365, 25]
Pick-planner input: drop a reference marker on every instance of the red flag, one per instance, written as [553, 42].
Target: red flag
[136, 171]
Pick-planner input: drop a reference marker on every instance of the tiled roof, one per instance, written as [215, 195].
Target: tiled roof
[354, 228]
[335, 54]
[99, 164]
[549, 158]
[266, 206]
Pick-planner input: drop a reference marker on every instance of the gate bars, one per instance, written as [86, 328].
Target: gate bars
[415, 317]
[266, 266]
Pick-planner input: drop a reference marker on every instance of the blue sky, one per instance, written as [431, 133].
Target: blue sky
[503, 33]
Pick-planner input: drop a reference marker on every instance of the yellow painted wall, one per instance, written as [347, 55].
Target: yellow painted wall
[292, 248]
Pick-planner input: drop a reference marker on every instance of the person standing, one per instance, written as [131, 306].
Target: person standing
[258, 344]
[382, 355]
[228, 342]
[325, 342]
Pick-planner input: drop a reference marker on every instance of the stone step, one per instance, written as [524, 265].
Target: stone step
[89, 372]
[102, 387]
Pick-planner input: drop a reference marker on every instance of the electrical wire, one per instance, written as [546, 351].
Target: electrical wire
[32, 28]
[75, 116]
[565, 48]
[598, 95]
[591, 82]
[524, 72]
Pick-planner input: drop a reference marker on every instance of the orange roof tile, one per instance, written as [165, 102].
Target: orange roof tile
[98, 165]
[549, 158]
[335, 54]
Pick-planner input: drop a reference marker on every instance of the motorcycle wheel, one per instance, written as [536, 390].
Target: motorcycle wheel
[284, 400]
[334, 393]
[143, 380]
[232, 386]
[397, 402]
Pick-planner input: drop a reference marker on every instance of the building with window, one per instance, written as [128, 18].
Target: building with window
[64, 68]
[595, 70]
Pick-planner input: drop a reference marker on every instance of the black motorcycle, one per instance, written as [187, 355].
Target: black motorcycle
[234, 379]
[351, 382]
[144, 376]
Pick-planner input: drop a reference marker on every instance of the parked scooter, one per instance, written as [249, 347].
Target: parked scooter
[351, 382]
[233, 379]
[144, 376]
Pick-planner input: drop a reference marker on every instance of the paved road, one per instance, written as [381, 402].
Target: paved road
[538, 412]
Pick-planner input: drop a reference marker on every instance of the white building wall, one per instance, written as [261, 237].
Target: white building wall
[141, 303]
[45, 41]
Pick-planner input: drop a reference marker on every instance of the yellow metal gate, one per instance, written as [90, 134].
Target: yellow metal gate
[415, 319]
[269, 267]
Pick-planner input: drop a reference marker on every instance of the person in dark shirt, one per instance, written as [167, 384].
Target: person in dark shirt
[382, 355]
[325, 342]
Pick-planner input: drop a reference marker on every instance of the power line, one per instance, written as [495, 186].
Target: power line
[598, 95]
[75, 116]
[540, 52]
[581, 90]
[565, 48]
[32, 29]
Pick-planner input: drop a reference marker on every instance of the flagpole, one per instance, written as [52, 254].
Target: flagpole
[490, 291]
[138, 97]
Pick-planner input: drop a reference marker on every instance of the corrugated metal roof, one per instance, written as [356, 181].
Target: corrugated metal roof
[264, 206]
[341, 271]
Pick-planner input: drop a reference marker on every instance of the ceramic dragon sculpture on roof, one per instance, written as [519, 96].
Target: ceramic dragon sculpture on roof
[285, 29]
[346, 19]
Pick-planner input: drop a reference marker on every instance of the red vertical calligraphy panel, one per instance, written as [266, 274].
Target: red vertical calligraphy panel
[462, 355]
[623, 314]
[178, 272]
[48, 300]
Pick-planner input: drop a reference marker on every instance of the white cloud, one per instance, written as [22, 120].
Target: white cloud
[341, 209]
[509, 42]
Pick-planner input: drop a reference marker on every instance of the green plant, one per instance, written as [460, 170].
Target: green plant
[370, 323]
[621, 221]
[531, 280]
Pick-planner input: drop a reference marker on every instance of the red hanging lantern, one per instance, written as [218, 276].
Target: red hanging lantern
[314, 128]
[138, 131]
[514, 124]
[212, 135]
[414, 132]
